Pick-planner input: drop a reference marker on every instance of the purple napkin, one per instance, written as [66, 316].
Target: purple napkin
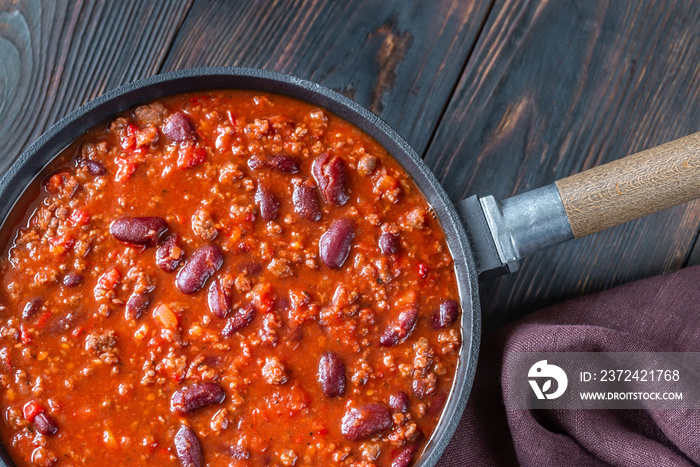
[661, 314]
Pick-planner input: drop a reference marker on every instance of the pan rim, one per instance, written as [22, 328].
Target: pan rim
[32, 162]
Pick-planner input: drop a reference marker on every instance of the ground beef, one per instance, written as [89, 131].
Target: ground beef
[151, 114]
[274, 371]
[203, 224]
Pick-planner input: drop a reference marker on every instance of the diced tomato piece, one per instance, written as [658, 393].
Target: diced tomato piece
[41, 322]
[262, 297]
[110, 279]
[146, 136]
[56, 182]
[61, 244]
[31, 410]
[190, 156]
[423, 270]
[125, 171]
[165, 317]
[128, 141]
[7, 360]
[24, 336]
[79, 217]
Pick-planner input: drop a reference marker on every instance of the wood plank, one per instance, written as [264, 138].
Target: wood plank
[401, 59]
[57, 55]
[554, 88]
[694, 258]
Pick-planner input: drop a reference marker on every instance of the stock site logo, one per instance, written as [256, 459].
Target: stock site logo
[545, 373]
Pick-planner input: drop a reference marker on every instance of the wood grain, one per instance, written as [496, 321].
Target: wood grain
[401, 59]
[554, 88]
[633, 186]
[57, 55]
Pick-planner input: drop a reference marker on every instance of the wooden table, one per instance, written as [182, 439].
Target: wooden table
[498, 96]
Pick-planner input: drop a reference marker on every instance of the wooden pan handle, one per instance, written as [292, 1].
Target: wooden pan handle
[632, 187]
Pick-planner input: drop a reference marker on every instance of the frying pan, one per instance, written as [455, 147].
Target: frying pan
[486, 236]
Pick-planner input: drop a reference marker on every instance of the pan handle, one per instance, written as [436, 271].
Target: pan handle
[504, 232]
[632, 187]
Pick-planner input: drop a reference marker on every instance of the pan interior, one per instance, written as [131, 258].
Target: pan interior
[24, 172]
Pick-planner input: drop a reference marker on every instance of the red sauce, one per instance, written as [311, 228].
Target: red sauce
[226, 278]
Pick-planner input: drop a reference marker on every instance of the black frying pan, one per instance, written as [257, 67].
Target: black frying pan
[485, 236]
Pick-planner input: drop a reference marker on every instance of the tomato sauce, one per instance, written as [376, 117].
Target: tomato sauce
[226, 278]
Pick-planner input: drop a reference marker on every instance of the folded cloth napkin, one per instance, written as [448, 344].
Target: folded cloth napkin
[661, 314]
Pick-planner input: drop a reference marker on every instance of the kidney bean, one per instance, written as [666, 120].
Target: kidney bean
[365, 421]
[400, 328]
[281, 163]
[199, 268]
[72, 279]
[334, 246]
[329, 173]
[139, 230]
[305, 199]
[189, 451]
[404, 457]
[136, 305]
[240, 319]
[93, 167]
[169, 254]
[196, 396]
[399, 402]
[219, 299]
[437, 404]
[331, 375]
[268, 203]
[421, 388]
[45, 424]
[64, 323]
[31, 309]
[179, 128]
[388, 243]
[446, 314]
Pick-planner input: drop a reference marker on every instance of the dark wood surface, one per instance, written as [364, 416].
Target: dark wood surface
[500, 97]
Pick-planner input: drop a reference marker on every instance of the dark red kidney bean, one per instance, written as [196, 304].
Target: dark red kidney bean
[251, 268]
[240, 319]
[365, 421]
[199, 268]
[437, 403]
[93, 167]
[334, 246]
[421, 388]
[73, 279]
[139, 230]
[400, 328]
[169, 254]
[331, 178]
[268, 203]
[196, 396]
[31, 309]
[45, 424]
[281, 163]
[219, 300]
[64, 323]
[331, 375]
[388, 243]
[399, 402]
[446, 314]
[136, 305]
[305, 199]
[179, 128]
[189, 451]
[404, 457]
